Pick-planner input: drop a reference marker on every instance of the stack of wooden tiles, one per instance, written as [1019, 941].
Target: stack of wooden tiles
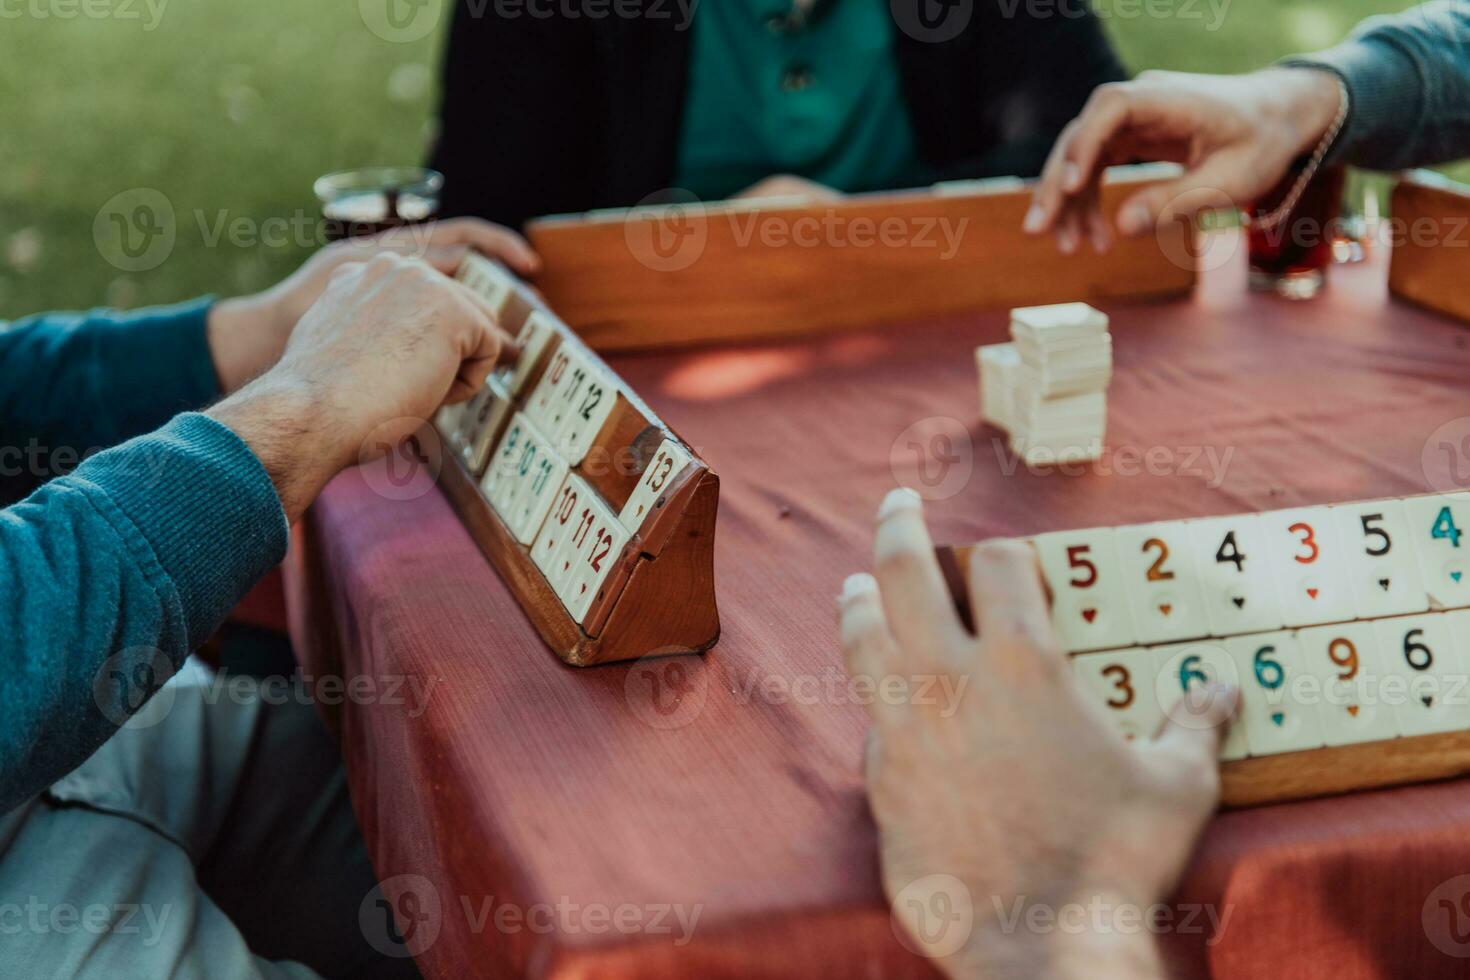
[597, 515]
[1346, 628]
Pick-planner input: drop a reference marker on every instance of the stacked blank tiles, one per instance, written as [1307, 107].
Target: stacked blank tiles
[1048, 387]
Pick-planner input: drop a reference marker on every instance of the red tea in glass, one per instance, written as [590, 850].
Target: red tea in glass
[1290, 258]
[357, 203]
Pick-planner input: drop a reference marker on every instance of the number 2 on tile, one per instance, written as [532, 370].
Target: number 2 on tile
[1156, 571]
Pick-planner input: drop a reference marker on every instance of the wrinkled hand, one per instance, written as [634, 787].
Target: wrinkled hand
[1236, 135]
[787, 185]
[388, 342]
[1014, 784]
[248, 334]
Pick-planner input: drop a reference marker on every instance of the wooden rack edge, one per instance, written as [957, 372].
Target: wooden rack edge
[733, 292]
[685, 565]
[1431, 273]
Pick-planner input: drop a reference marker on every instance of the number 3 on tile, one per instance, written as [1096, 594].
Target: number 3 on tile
[1309, 551]
[1308, 563]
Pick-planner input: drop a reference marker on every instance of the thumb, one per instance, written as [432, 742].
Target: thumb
[446, 258]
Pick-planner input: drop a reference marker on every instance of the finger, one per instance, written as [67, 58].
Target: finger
[1106, 113]
[1099, 233]
[489, 343]
[868, 647]
[917, 602]
[505, 349]
[473, 373]
[482, 344]
[1048, 195]
[446, 258]
[1217, 183]
[495, 241]
[872, 754]
[1069, 229]
[460, 391]
[1190, 735]
[1009, 599]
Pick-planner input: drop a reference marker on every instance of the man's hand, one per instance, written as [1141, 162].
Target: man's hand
[248, 334]
[1018, 786]
[388, 342]
[1236, 135]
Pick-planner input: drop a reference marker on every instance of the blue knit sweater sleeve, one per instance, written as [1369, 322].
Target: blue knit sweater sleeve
[110, 576]
[72, 384]
[1408, 81]
[112, 573]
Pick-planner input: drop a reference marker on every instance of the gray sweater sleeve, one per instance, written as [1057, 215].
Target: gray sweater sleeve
[1408, 77]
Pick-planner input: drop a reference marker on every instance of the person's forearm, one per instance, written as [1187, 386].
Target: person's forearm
[243, 340]
[292, 433]
[110, 576]
[1408, 77]
[76, 383]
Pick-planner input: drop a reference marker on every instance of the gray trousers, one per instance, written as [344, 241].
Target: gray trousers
[211, 837]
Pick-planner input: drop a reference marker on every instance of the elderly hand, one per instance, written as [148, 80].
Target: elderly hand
[1236, 135]
[1017, 791]
[388, 342]
[248, 334]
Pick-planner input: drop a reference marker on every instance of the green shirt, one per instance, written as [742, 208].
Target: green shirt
[770, 92]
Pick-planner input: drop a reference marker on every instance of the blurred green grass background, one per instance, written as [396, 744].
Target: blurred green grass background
[231, 110]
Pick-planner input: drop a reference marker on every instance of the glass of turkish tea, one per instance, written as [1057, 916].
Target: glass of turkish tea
[1290, 256]
[372, 200]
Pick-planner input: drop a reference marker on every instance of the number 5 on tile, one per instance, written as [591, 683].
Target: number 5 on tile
[1089, 605]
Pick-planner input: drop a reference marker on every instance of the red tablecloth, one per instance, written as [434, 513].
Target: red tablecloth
[514, 780]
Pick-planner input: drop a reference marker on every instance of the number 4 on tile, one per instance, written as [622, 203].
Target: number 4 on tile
[1439, 525]
[1235, 574]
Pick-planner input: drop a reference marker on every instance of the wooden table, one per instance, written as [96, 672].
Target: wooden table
[730, 784]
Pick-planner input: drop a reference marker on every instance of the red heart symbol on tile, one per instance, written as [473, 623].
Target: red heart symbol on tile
[1165, 608]
[1353, 710]
[1312, 593]
[1089, 614]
